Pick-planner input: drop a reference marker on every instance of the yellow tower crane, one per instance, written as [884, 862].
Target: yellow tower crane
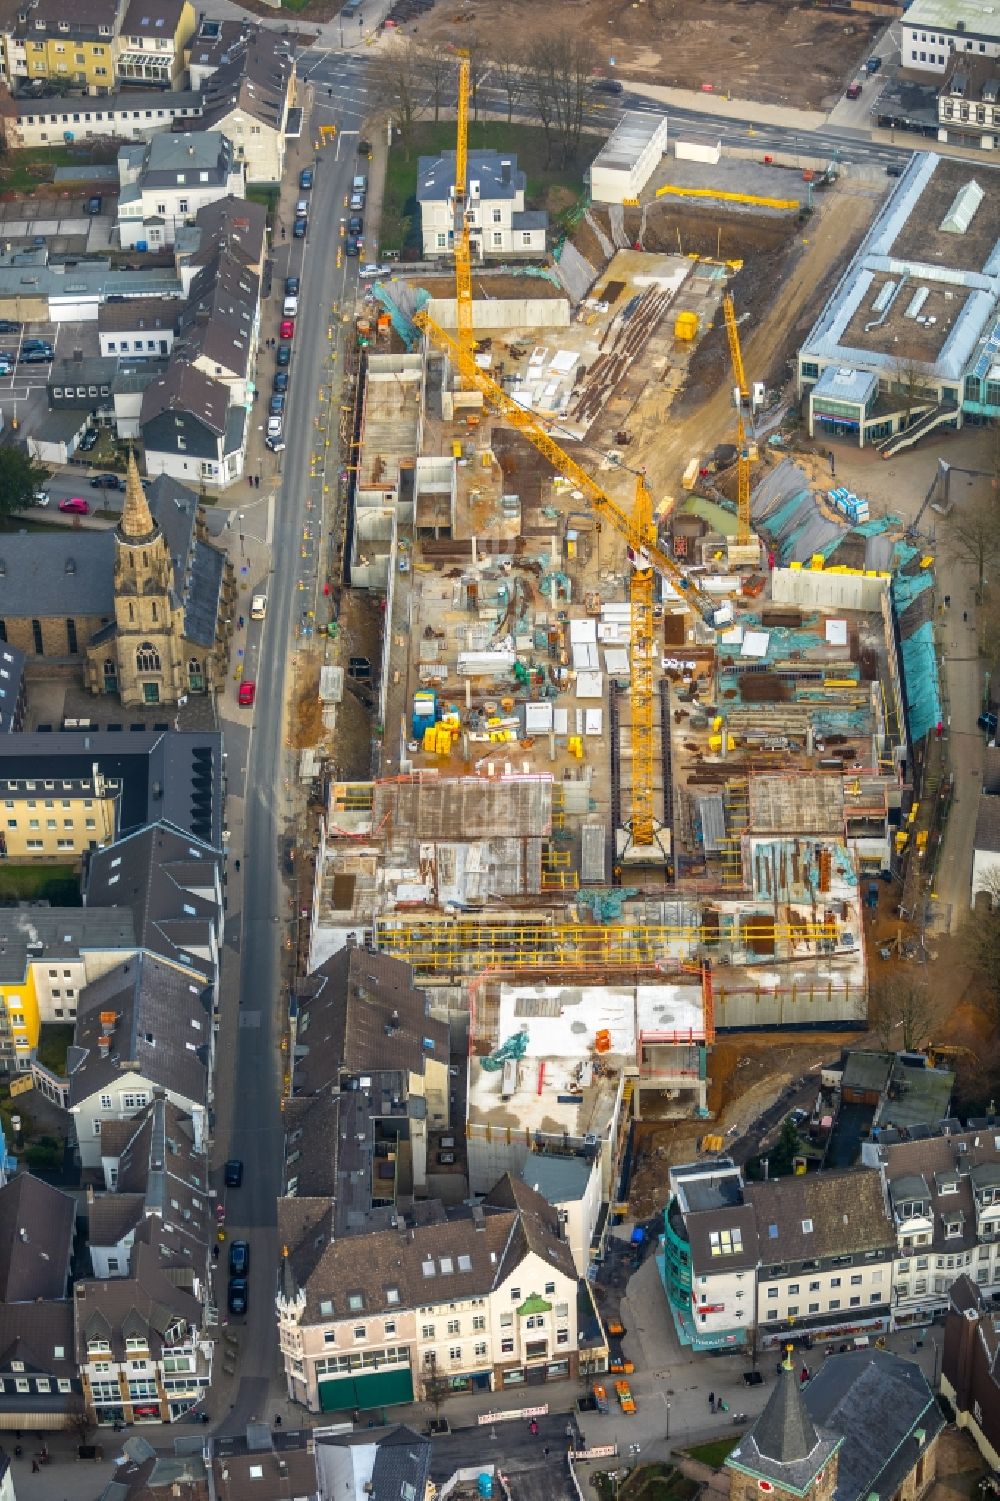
[463, 247]
[646, 557]
[746, 445]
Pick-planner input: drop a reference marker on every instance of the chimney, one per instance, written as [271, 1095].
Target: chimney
[108, 1019]
[104, 1045]
[90, 1193]
[505, 173]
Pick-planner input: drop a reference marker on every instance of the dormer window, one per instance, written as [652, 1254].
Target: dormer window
[952, 1228]
[949, 1186]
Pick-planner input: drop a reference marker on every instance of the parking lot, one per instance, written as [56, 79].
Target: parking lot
[23, 394]
[62, 222]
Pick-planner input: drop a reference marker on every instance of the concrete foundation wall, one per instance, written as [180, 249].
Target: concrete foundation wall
[519, 312]
[830, 591]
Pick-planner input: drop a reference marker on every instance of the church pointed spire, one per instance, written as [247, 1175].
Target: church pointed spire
[137, 524]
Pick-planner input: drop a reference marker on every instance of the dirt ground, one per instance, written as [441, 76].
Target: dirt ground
[723, 45]
[959, 1467]
[787, 271]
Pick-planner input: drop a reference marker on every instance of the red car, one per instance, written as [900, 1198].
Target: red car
[76, 506]
[246, 695]
[288, 328]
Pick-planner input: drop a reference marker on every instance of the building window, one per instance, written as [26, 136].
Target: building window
[196, 676]
[36, 631]
[147, 658]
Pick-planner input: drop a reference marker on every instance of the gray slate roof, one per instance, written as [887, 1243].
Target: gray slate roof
[560, 1180]
[988, 825]
[55, 933]
[12, 662]
[402, 1465]
[186, 151]
[783, 1445]
[436, 176]
[36, 1235]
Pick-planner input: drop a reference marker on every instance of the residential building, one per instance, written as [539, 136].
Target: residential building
[144, 611]
[709, 1255]
[484, 1299]
[13, 689]
[189, 429]
[866, 1424]
[142, 1474]
[935, 31]
[140, 1345]
[174, 592]
[81, 385]
[145, 1028]
[986, 849]
[157, 1194]
[380, 1466]
[970, 1367]
[154, 43]
[826, 1250]
[75, 49]
[571, 1183]
[164, 183]
[234, 225]
[906, 343]
[249, 97]
[943, 1194]
[219, 325]
[132, 116]
[48, 956]
[175, 776]
[269, 1465]
[142, 328]
[38, 1383]
[969, 102]
[499, 223]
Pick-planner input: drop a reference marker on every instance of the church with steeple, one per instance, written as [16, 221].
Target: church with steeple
[865, 1425]
[174, 597]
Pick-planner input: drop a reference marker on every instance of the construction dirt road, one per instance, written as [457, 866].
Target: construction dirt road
[778, 54]
[788, 268]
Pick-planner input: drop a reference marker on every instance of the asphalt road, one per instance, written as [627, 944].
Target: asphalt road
[256, 1135]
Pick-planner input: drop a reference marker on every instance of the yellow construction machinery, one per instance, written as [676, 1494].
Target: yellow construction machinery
[746, 443]
[463, 246]
[639, 532]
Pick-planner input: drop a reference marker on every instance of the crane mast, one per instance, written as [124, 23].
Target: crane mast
[639, 532]
[746, 447]
[460, 234]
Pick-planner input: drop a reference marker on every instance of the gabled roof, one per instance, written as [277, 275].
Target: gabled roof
[987, 836]
[783, 1446]
[167, 154]
[233, 224]
[820, 1214]
[145, 1303]
[184, 389]
[160, 1032]
[402, 1465]
[156, 18]
[36, 1237]
[41, 1335]
[161, 1192]
[253, 75]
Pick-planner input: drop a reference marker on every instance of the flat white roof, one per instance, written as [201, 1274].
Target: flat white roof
[946, 15]
[631, 136]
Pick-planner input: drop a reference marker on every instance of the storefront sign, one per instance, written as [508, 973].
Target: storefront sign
[514, 1414]
[600, 1451]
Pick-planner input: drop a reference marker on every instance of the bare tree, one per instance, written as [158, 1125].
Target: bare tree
[558, 76]
[507, 55]
[479, 63]
[900, 1012]
[437, 1387]
[396, 81]
[982, 940]
[973, 536]
[438, 65]
[909, 380]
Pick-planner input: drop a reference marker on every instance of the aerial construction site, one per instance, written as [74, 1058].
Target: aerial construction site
[651, 711]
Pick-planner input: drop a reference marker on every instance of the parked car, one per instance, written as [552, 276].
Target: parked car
[306, 179]
[75, 506]
[299, 228]
[6, 366]
[873, 64]
[365, 148]
[357, 202]
[89, 440]
[36, 356]
[291, 286]
[284, 356]
[258, 607]
[854, 90]
[275, 443]
[94, 204]
[238, 1296]
[8, 326]
[608, 86]
[275, 426]
[894, 169]
[280, 380]
[105, 482]
[370, 271]
[302, 208]
[247, 694]
[353, 246]
[277, 404]
[239, 1258]
[287, 330]
[234, 1173]
[355, 225]
[42, 498]
[290, 307]
[359, 184]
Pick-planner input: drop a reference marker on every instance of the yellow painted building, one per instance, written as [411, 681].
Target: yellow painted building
[73, 45]
[57, 818]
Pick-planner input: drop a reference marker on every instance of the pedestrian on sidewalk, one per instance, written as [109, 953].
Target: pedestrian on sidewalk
[965, 617]
[711, 1401]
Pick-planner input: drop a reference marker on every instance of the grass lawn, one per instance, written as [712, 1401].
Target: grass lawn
[652, 1482]
[714, 1452]
[266, 197]
[551, 188]
[20, 171]
[58, 884]
[54, 1039]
